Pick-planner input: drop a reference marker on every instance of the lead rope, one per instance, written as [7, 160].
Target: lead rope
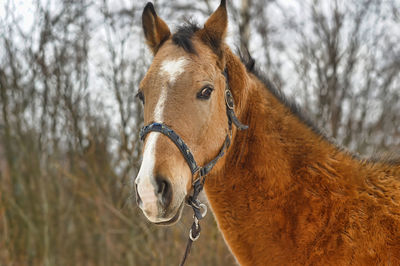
[197, 206]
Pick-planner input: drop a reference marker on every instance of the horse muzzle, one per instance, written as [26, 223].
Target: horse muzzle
[155, 198]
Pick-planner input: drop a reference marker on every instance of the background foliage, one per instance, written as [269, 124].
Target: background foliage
[69, 121]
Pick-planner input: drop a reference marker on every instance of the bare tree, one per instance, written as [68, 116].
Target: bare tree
[356, 86]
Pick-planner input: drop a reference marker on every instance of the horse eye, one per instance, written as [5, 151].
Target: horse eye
[205, 93]
[140, 96]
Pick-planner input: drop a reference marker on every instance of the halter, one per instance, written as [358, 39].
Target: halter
[199, 209]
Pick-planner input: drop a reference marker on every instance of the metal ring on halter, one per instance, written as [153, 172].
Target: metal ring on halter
[204, 207]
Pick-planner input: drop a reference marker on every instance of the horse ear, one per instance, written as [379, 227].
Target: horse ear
[156, 31]
[215, 28]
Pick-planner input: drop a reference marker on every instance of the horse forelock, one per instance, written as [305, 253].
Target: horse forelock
[183, 36]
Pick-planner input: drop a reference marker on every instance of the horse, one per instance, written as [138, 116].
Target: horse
[282, 193]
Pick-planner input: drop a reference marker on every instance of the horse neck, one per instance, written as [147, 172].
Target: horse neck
[275, 152]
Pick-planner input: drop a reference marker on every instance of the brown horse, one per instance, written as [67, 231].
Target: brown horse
[282, 194]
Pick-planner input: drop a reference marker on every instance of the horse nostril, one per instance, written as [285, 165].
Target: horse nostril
[164, 191]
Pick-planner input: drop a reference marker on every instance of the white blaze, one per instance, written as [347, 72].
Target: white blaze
[145, 180]
[173, 68]
[159, 110]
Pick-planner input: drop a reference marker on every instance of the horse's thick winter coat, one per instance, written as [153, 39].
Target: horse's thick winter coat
[286, 196]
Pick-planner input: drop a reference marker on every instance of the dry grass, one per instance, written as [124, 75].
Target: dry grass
[72, 210]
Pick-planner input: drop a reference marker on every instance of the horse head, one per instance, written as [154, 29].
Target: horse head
[184, 89]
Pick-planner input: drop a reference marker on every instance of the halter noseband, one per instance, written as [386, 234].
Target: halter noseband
[198, 184]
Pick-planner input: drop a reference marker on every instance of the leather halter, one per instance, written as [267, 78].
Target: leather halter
[198, 184]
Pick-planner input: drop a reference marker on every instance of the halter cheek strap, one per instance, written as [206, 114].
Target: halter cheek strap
[230, 106]
[199, 209]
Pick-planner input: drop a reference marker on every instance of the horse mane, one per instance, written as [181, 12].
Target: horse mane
[294, 108]
[388, 158]
[183, 35]
[246, 58]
